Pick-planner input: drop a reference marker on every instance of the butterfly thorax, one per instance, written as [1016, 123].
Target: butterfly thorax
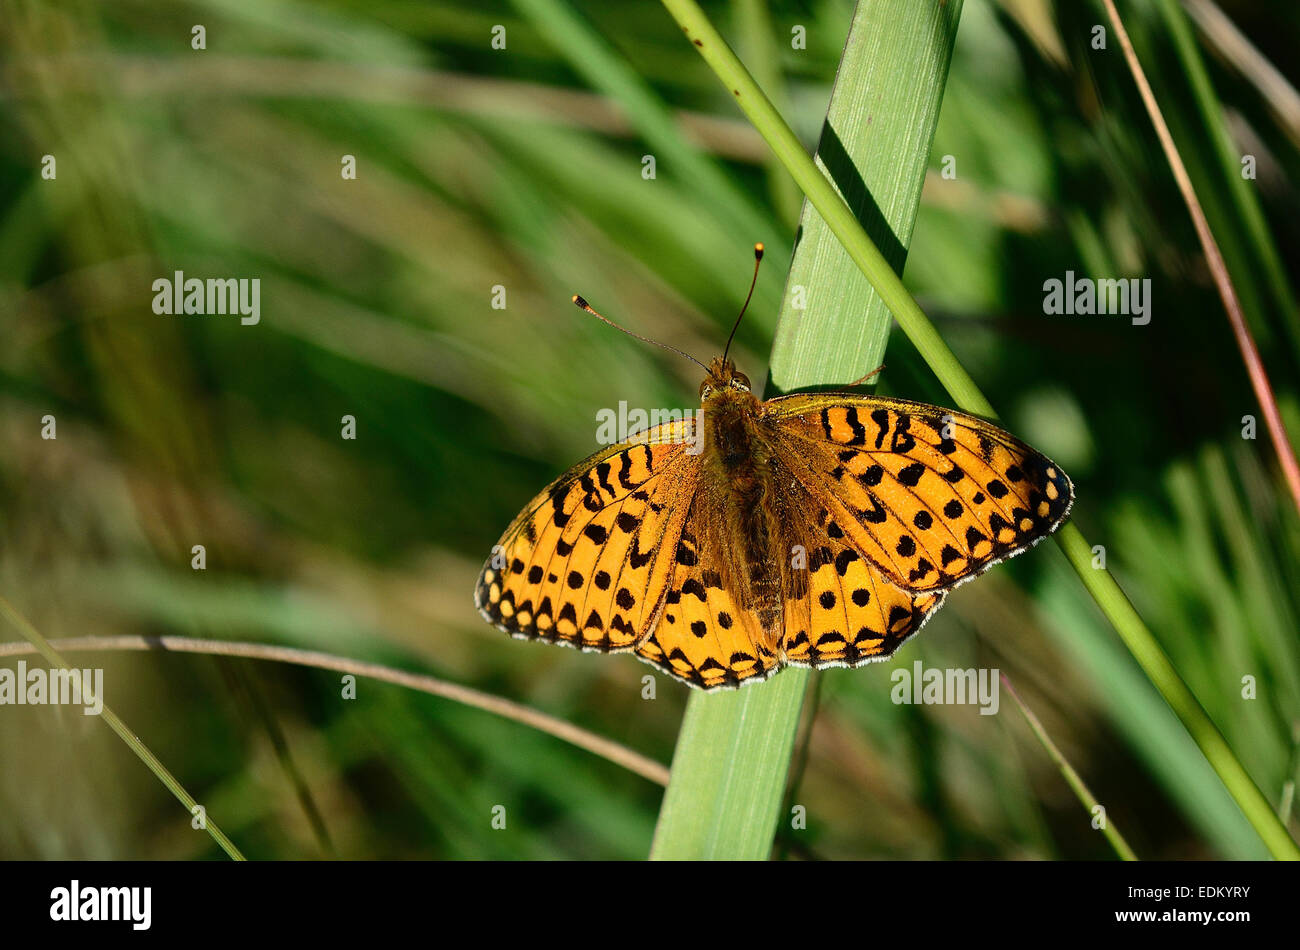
[731, 412]
[732, 440]
[738, 488]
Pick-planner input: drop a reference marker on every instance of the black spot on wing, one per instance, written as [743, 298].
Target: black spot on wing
[844, 559]
[902, 441]
[910, 475]
[602, 476]
[923, 569]
[635, 559]
[592, 500]
[881, 418]
[859, 433]
[877, 514]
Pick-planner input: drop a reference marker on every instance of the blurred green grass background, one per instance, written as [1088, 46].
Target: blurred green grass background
[480, 167]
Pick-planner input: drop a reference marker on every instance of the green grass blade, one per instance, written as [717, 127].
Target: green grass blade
[733, 754]
[728, 772]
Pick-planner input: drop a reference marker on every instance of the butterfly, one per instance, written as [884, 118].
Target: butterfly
[811, 529]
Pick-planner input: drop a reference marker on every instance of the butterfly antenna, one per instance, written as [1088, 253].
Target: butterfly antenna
[859, 382]
[758, 259]
[583, 305]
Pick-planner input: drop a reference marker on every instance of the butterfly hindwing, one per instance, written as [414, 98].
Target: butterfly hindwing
[839, 610]
[851, 614]
[930, 496]
[588, 562]
[704, 637]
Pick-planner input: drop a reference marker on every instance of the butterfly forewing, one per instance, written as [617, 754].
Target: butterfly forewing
[588, 562]
[930, 496]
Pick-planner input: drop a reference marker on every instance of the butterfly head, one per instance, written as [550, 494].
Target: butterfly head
[723, 378]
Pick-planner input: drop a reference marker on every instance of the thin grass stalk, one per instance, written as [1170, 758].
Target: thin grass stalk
[598, 745]
[1071, 776]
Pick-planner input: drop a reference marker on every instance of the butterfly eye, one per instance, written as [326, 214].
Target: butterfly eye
[740, 382]
[705, 391]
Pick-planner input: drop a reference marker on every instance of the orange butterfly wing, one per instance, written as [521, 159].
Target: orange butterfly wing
[851, 614]
[705, 638]
[588, 563]
[931, 497]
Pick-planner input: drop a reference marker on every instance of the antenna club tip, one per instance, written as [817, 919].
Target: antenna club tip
[579, 302]
[758, 250]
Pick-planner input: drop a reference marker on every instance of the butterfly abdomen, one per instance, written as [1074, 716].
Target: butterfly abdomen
[739, 460]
